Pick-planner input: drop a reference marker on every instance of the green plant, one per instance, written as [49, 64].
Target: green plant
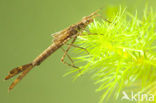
[121, 53]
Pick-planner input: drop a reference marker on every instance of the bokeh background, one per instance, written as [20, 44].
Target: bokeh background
[25, 28]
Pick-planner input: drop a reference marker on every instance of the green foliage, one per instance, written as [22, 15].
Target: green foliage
[121, 53]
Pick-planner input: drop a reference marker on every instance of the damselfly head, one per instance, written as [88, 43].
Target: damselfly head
[88, 19]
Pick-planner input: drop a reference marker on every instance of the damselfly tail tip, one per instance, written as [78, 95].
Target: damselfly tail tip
[11, 87]
[17, 70]
[7, 77]
[24, 69]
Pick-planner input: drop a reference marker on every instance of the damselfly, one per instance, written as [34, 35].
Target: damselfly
[60, 38]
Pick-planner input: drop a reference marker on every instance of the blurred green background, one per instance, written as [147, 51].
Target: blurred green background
[25, 28]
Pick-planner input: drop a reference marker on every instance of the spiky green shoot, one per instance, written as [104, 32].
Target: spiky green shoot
[122, 54]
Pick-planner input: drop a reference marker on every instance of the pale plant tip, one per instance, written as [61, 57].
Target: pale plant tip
[120, 54]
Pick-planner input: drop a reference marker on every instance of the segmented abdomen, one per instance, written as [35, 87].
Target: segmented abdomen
[52, 48]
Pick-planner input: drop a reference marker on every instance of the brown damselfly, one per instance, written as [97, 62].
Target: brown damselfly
[60, 38]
